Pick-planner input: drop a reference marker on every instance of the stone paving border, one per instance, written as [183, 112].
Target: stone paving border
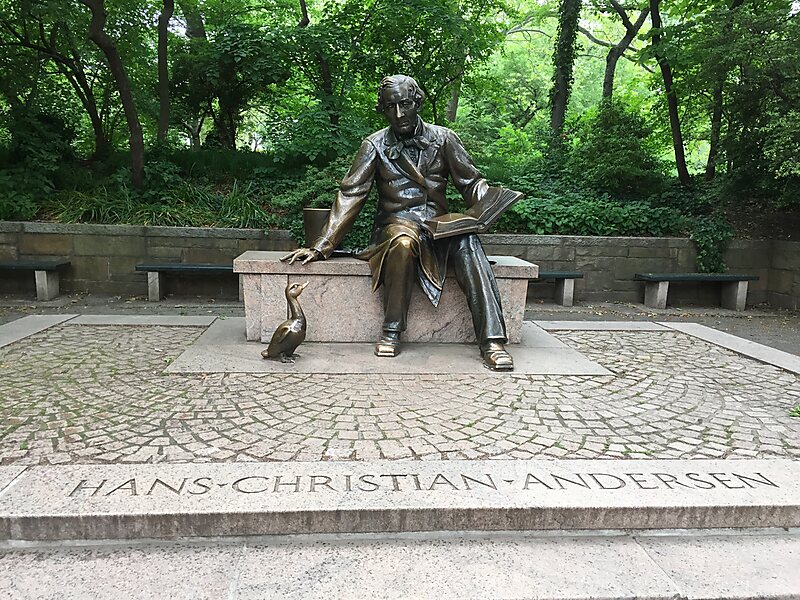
[600, 325]
[162, 320]
[223, 349]
[27, 326]
[760, 352]
[771, 356]
[190, 500]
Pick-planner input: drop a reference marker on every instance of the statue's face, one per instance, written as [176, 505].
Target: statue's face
[400, 109]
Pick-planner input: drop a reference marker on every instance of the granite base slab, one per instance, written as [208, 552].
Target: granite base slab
[233, 499]
[222, 349]
[341, 307]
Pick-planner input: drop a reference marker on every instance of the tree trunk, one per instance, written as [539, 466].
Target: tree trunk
[716, 107]
[195, 28]
[716, 130]
[109, 49]
[563, 61]
[452, 105]
[163, 73]
[613, 56]
[672, 98]
[324, 67]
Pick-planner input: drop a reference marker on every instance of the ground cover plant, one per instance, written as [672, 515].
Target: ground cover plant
[643, 119]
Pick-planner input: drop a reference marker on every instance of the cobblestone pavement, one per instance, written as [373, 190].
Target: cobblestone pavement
[95, 394]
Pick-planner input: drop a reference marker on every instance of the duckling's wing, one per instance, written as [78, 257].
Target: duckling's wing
[280, 334]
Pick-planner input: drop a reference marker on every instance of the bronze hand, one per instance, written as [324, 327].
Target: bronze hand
[304, 255]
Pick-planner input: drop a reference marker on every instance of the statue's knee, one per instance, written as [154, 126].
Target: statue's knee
[403, 244]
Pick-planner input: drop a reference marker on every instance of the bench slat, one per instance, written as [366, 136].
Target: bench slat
[560, 275]
[693, 277]
[34, 265]
[185, 268]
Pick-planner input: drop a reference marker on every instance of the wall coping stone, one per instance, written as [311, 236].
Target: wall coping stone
[140, 230]
[10, 226]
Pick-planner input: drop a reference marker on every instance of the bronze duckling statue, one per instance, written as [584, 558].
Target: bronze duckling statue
[291, 333]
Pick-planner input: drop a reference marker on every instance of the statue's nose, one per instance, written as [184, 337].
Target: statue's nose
[398, 111]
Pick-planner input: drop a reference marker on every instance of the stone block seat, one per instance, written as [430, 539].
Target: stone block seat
[156, 271]
[46, 273]
[565, 284]
[340, 306]
[734, 287]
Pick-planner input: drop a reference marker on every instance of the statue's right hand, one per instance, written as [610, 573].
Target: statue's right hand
[304, 255]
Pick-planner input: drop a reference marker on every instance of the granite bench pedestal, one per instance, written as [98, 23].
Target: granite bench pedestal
[340, 306]
[565, 284]
[156, 271]
[46, 273]
[733, 293]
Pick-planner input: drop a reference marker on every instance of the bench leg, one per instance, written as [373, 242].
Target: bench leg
[655, 294]
[241, 288]
[46, 285]
[565, 290]
[154, 286]
[734, 295]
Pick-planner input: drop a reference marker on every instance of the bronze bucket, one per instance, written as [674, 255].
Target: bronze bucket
[314, 220]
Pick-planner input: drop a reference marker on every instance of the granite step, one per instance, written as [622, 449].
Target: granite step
[133, 501]
[463, 566]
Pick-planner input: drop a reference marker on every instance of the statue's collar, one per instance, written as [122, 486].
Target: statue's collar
[420, 140]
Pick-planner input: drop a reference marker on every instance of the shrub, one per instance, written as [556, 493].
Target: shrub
[591, 217]
[610, 152]
[711, 236]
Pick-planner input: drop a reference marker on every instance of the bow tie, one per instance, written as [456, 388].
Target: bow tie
[393, 150]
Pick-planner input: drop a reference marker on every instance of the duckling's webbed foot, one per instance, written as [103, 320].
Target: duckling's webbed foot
[288, 358]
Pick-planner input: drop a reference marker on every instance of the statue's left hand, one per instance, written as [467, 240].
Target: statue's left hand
[304, 255]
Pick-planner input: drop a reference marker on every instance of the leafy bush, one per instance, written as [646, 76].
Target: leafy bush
[591, 217]
[711, 236]
[611, 153]
[16, 204]
[317, 188]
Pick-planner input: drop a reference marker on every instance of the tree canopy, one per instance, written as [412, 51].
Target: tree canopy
[689, 104]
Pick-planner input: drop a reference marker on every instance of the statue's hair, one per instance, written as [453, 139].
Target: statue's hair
[395, 80]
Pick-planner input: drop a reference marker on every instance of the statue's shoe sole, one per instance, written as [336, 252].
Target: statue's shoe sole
[387, 350]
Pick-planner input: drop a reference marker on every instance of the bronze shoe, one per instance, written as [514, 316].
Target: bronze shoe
[496, 358]
[388, 345]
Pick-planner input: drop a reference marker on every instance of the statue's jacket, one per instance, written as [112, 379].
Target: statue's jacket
[409, 192]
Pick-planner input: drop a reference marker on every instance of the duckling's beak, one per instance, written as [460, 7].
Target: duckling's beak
[302, 287]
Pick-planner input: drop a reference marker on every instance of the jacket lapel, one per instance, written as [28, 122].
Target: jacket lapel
[427, 155]
[402, 162]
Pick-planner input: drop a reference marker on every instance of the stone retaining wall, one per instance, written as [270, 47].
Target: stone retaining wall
[104, 256]
[609, 263]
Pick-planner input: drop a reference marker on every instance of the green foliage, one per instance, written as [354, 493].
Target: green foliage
[16, 204]
[795, 412]
[317, 188]
[611, 153]
[711, 236]
[591, 217]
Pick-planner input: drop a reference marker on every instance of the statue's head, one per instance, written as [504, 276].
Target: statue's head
[399, 100]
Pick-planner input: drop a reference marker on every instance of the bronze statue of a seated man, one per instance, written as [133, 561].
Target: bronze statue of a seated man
[410, 161]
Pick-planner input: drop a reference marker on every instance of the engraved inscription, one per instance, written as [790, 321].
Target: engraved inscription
[449, 483]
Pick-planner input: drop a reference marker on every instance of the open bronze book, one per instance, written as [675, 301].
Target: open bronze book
[478, 218]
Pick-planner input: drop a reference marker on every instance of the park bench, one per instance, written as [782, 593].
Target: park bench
[45, 271]
[157, 271]
[734, 287]
[565, 284]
